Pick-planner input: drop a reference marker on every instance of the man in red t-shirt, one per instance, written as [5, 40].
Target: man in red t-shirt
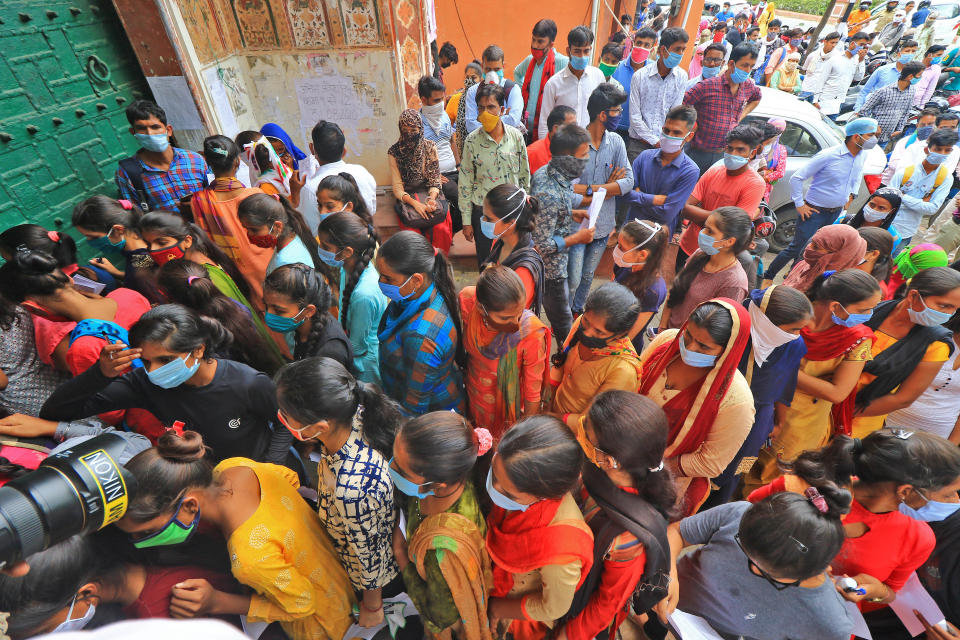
[732, 183]
[538, 153]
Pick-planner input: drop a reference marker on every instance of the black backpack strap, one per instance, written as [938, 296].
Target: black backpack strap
[131, 166]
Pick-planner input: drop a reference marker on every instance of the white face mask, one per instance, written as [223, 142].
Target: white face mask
[669, 144]
[766, 335]
[75, 624]
[872, 215]
[618, 253]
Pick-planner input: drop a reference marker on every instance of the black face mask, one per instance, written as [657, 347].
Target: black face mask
[591, 342]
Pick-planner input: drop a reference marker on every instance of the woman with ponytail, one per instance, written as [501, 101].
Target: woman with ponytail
[183, 383]
[355, 426]
[271, 222]
[277, 545]
[347, 243]
[188, 283]
[432, 465]
[421, 336]
[627, 497]
[297, 300]
[60, 246]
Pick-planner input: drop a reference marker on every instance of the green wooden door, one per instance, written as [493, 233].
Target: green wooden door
[67, 73]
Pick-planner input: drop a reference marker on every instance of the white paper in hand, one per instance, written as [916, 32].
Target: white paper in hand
[691, 627]
[860, 628]
[593, 211]
[914, 597]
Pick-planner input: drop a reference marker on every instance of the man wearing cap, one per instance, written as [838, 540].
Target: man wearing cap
[835, 174]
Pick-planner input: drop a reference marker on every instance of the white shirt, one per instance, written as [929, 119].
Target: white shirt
[651, 97]
[913, 206]
[566, 89]
[761, 53]
[832, 83]
[903, 156]
[317, 172]
[814, 66]
[936, 410]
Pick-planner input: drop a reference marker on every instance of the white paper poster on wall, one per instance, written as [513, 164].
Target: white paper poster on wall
[332, 97]
[221, 103]
[173, 95]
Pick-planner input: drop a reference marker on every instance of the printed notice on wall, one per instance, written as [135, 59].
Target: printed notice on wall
[173, 94]
[221, 102]
[330, 97]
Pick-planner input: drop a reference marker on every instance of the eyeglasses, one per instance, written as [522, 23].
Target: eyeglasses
[284, 422]
[760, 573]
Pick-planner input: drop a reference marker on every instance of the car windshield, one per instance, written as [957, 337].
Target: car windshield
[947, 10]
[833, 127]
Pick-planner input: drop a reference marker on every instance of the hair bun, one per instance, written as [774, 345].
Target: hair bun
[483, 439]
[33, 262]
[188, 447]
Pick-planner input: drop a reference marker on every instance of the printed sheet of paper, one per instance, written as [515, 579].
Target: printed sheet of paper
[914, 597]
[691, 627]
[593, 211]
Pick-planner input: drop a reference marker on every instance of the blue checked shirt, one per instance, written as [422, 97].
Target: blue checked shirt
[611, 154]
[187, 174]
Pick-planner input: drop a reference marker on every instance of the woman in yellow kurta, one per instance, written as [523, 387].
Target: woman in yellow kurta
[276, 543]
[764, 20]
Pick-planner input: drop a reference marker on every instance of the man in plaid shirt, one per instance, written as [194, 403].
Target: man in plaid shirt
[890, 105]
[168, 173]
[722, 102]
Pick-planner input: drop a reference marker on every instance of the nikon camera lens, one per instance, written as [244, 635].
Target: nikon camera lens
[75, 491]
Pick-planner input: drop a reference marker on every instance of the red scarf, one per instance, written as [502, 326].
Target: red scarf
[548, 68]
[830, 344]
[522, 541]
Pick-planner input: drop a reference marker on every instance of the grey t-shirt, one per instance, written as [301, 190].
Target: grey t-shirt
[717, 585]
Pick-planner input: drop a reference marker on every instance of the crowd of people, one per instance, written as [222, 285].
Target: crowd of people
[325, 429]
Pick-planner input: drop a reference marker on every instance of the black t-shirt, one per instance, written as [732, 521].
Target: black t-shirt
[333, 343]
[234, 413]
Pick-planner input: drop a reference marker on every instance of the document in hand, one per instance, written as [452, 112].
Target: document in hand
[593, 212]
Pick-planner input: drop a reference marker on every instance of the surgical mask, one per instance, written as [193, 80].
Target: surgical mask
[501, 500]
[932, 511]
[669, 144]
[709, 72]
[613, 122]
[705, 242]
[872, 215]
[579, 62]
[695, 358]
[174, 532]
[104, 243]
[569, 167]
[324, 216]
[935, 158]
[936, 60]
[163, 256]
[639, 55]
[590, 342]
[928, 317]
[905, 58]
[329, 257]
[405, 486]
[791, 66]
[924, 132]
[75, 624]
[620, 261]
[487, 228]
[914, 81]
[869, 143]
[795, 43]
[733, 162]
[672, 60]
[153, 142]
[607, 69]
[392, 291]
[174, 373]
[853, 319]
[739, 75]
[488, 120]
[855, 50]
[618, 253]
[283, 324]
[767, 149]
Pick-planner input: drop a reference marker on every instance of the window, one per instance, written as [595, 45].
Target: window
[947, 11]
[797, 140]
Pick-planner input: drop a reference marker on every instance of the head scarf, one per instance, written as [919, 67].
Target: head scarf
[275, 173]
[461, 124]
[766, 336]
[832, 248]
[272, 130]
[919, 257]
[892, 195]
[409, 150]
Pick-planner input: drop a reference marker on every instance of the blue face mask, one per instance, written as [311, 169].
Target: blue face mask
[329, 257]
[613, 122]
[935, 158]
[914, 80]
[174, 373]
[487, 228]
[282, 324]
[695, 358]
[672, 60]
[853, 319]
[905, 58]
[405, 486]
[733, 162]
[739, 75]
[392, 291]
[933, 511]
[579, 62]
[937, 60]
[705, 242]
[855, 50]
[501, 500]
[709, 72]
[104, 243]
[500, 74]
[156, 142]
[924, 132]
[928, 317]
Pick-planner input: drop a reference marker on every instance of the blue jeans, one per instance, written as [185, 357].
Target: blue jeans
[584, 259]
[805, 230]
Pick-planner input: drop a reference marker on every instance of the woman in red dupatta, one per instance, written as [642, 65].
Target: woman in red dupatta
[838, 348]
[540, 546]
[692, 374]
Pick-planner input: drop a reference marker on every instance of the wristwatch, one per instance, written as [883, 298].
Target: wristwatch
[589, 190]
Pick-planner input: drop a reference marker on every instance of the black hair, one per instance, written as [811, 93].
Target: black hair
[449, 51]
[181, 330]
[787, 305]
[221, 153]
[719, 26]
[776, 22]
[928, 111]
[487, 90]
[328, 141]
[907, 43]
[187, 283]
[165, 472]
[879, 239]
[618, 38]
[499, 287]
[541, 456]
[733, 222]
[846, 287]
[947, 115]
[102, 213]
[579, 36]
[935, 281]
[626, 18]
[715, 319]
[343, 187]
[262, 210]
[407, 253]
[743, 50]
[910, 69]
[614, 49]
[316, 389]
[892, 196]
[30, 273]
[619, 308]
[475, 66]
[246, 137]
[503, 199]
[567, 139]
[144, 110]
[545, 28]
[37, 238]
[428, 84]
[345, 229]
[303, 286]
[492, 53]
[713, 46]
[943, 138]
[10, 314]
[935, 48]
[442, 447]
[606, 96]
[768, 131]
[633, 429]
[684, 113]
[833, 35]
[645, 33]
[672, 35]
[750, 31]
[860, 35]
[747, 133]
[655, 243]
[172, 225]
[558, 114]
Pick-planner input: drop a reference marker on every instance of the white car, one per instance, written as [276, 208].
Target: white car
[944, 30]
